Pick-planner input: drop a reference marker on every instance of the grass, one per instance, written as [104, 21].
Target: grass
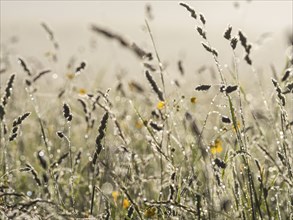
[143, 150]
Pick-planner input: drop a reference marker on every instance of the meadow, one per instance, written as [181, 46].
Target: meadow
[154, 147]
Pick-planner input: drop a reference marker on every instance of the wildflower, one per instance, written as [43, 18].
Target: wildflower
[126, 203]
[115, 195]
[150, 212]
[217, 147]
[138, 124]
[70, 75]
[81, 91]
[161, 105]
[193, 100]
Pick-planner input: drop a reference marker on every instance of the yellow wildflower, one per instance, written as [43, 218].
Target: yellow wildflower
[217, 147]
[70, 75]
[150, 212]
[193, 100]
[115, 195]
[126, 203]
[81, 91]
[160, 105]
[138, 124]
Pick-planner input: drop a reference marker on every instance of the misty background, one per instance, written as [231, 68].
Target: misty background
[267, 24]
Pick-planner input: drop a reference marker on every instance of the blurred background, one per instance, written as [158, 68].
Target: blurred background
[267, 24]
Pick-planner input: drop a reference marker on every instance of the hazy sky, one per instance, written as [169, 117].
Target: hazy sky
[173, 28]
[268, 14]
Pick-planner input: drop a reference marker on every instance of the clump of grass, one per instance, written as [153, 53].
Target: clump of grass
[200, 152]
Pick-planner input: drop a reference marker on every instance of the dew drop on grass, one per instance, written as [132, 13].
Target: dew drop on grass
[117, 98]
[22, 158]
[128, 117]
[107, 188]
[41, 153]
[29, 193]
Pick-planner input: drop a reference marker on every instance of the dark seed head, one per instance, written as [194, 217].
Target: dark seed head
[227, 33]
[230, 89]
[233, 42]
[247, 59]
[66, 112]
[60, 134]
[226, 119]
[203, 87]
[220, 163]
